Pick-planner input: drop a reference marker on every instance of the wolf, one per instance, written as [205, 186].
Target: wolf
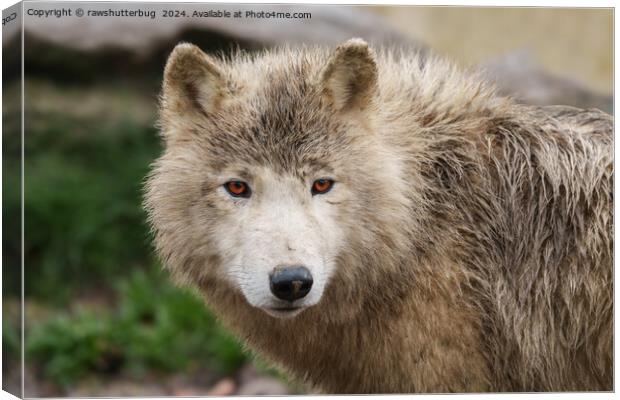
[374, 221]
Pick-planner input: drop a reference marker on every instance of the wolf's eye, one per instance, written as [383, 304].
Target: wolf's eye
[321, 186]
[237, 189]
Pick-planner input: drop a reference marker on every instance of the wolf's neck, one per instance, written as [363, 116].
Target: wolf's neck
[370, 351]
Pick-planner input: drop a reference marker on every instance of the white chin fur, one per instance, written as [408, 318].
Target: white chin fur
[283, 313]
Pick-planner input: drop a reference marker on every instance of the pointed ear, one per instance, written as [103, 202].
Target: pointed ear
[192, 83]
[350, 78]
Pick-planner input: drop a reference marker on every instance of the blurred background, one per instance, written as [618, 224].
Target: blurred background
[101, 318]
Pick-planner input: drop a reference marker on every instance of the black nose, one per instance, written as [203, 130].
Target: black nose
[290, 283]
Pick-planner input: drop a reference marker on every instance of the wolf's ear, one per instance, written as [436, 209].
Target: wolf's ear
[350, 77]
[193, 83]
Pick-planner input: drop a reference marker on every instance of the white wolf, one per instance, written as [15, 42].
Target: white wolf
[386, 223]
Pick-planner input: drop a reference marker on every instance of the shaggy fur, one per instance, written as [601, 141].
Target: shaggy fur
[477, 232]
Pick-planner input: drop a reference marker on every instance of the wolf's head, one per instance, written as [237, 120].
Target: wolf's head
[273, 175]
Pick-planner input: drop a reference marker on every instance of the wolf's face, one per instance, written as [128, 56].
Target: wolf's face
[271, 175]
[277, 234]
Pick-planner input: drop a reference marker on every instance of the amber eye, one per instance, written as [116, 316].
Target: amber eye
[237, 189]
[322, 185]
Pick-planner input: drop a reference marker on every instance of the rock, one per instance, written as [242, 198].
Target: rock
[116, 388]
[225, 387]
[519, 75]
[247, 373]
[263, 386]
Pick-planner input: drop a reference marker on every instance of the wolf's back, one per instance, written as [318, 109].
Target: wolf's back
[553, 180]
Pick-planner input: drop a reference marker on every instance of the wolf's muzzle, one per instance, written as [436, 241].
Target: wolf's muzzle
[290, 283]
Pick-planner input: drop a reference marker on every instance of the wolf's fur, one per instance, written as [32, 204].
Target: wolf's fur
[467, 244]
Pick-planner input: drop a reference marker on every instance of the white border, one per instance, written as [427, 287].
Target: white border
[508, 3]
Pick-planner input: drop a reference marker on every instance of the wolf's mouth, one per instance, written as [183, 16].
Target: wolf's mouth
[283, 312]
[285, 308]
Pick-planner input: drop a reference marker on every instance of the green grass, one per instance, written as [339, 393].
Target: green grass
[86, 242]
[10, 343]
[82, 201]
[154, 327]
